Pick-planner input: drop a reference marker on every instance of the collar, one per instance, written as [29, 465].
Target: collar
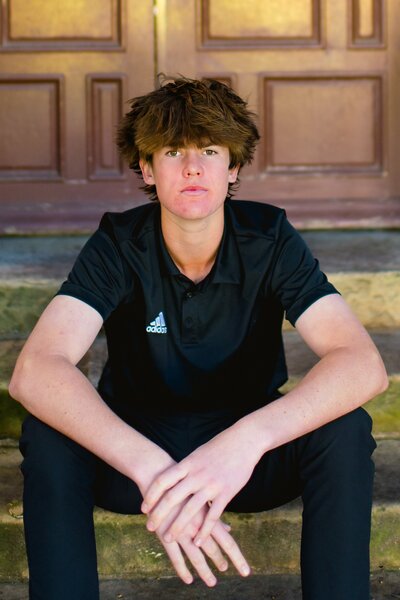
[227, 266]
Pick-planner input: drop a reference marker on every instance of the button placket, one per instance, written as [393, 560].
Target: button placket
[189, 318]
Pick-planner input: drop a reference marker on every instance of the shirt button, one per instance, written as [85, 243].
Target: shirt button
[188, 321]
[189, 295]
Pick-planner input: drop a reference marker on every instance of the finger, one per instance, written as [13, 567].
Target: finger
[212, 550]
[213, 514]
[196, 557]
[231, 549]
[168, 502]
[161, 484]
[188, 512]
[178, 562]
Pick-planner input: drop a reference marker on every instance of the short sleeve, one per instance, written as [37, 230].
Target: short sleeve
[297, 279]
[97, 277]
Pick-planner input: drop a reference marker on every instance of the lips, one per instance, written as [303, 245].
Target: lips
[194, 188]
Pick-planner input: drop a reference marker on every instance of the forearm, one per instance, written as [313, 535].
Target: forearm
[56, 392]
[340, 382]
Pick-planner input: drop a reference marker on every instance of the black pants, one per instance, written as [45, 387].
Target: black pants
[330, 468]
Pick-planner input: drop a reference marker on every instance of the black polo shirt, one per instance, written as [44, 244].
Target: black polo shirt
[174, 345]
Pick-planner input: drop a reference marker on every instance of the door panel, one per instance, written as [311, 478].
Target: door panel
[260, 24]
[321, 77]
[31, 127]
[104, 97]
[45, 24]
[322, 123]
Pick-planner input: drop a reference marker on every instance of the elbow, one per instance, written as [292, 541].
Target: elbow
[15, 386]
[384, 381]
[378, 375]
[21, 382]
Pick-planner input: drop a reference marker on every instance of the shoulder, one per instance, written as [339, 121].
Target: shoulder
[255, 219]
[131, 224]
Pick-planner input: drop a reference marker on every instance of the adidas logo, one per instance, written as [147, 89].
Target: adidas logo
[158, 325]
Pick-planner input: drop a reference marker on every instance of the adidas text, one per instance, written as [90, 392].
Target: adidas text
[158, 325]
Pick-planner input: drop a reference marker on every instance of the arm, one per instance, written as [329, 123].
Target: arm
[48, 383]
[349, 373]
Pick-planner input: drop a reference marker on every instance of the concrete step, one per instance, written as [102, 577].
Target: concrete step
[126, 549]
[385, 409]
[347, 251]
[385, 585]
[364, 265]
[300, 358]
[373, 296]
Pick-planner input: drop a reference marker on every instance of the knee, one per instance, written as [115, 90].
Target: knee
[343, 445]
[350, 433]
[51, 459]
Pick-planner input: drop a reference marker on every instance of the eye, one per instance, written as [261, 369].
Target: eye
[172, 153]
[210, 152]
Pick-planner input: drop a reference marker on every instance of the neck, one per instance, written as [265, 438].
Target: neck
[193, 245]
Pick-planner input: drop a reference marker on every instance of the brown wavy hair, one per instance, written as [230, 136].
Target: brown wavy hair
[187, 112]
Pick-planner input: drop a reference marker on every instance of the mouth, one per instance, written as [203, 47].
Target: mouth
[193, 189]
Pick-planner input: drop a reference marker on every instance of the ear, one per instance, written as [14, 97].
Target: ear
[147, 172]
[233, 174]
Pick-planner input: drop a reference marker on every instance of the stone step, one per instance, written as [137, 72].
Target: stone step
[385, 409]
[50, 257]
[364, 265]
[385, 585]
[126, 549]
[300, 358]
[374, 297]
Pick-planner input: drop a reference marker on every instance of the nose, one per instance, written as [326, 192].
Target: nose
[192, 165]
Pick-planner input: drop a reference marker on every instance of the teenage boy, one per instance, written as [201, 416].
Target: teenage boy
[188, 420]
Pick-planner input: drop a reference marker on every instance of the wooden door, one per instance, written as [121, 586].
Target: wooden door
[66, 69]
[323, 76]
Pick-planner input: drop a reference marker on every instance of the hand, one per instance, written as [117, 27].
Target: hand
[212, 546]
[220, 539]
[209, 477]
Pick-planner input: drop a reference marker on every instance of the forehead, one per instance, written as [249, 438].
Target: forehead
[188, 137]
[192, 146]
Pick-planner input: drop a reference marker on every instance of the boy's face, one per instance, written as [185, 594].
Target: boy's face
[191, 182]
